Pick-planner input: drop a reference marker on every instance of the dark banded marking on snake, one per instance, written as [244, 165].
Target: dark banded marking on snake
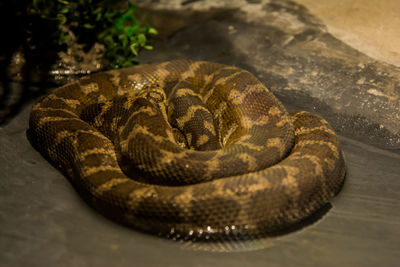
[189, 150]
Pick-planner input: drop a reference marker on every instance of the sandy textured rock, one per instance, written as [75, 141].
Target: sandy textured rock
[293, 54]
[372, 26]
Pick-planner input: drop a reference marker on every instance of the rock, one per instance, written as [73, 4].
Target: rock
[292, 53]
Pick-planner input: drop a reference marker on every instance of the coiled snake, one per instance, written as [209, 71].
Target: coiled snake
[188, 149]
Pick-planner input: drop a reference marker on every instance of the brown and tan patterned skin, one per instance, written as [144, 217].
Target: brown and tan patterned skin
[188, 149]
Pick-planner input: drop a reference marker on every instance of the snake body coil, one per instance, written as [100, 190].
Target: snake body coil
[187, 149]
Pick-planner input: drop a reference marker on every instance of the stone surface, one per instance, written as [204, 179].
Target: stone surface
[371, 26]
[291, 52]
[44, 222]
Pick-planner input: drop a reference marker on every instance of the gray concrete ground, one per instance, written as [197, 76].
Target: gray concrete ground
[44, 222]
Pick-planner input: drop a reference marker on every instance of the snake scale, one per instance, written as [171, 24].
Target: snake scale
[190, 150]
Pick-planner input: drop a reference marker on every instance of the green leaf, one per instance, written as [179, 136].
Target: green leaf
[63, 39]
[64, 10]
[61, 18]
[148, 47]
[102, 35]
[119, 24]
[152, 31]
[98, 17]
[135, 27]
[129, 11]
[142, 39]
[88, 26]
[127, 18]
[124, 39]
[107, 16]
[98, 10]
[126, 63]
[109, 41]
[133, 49]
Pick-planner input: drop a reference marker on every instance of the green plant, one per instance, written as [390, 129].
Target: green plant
[125, 38]
[93, 21]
